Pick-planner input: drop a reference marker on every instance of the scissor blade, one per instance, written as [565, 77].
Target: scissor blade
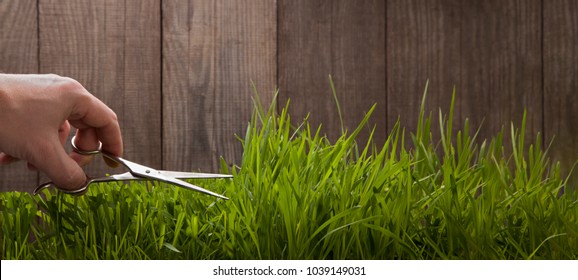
[181, 183]
[139, 170]
[127, 176]
[193, 175]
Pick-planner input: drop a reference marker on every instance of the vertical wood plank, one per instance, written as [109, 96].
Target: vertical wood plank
[345, 39]
[19, 36]
[501, 65]
[560, 83]
[423, 44]
[188, 84]
[490, 50]
[18, 54]
[212, 50]
[246, 52]
[113, 49]
[305, 62]
[142, 90]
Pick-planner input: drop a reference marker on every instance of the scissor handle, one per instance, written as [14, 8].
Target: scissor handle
[79, 191]
[85, 152]
[84, 188]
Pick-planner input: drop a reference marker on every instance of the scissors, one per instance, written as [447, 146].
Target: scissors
[138, 172]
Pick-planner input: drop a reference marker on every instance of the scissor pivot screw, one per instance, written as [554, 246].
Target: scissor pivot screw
[148, 171]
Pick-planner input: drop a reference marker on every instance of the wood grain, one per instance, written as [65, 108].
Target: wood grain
[501, 65]
[490, 51]
[18, 54]
[560, 82]
[423, 44]
[212, 50]
[113, 49]
[344, 39]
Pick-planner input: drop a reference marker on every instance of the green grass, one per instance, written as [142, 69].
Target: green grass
[297, 195]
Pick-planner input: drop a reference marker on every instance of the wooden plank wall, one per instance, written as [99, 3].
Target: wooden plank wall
[178, 72]
[560, 93]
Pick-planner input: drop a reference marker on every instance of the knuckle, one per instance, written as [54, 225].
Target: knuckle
[69, 85]
[113, 116]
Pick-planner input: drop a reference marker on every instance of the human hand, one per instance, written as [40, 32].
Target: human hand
[36, 112]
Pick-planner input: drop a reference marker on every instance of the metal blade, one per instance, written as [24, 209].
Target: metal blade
[127, 176]
[180, 183]
[193, 175]
[161, 177]
[139, 170]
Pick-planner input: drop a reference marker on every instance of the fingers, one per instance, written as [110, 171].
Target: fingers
[86, 140]
[31, 167]
[93, 116]
[63, 132]
[51, 158]
[96, 123]
[6, 159]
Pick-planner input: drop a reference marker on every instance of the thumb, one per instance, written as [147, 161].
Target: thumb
[51, 158]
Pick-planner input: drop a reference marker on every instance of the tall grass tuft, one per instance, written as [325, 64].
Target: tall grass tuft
[297, 195]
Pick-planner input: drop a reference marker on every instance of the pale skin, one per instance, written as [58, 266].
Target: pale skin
[36, 115]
